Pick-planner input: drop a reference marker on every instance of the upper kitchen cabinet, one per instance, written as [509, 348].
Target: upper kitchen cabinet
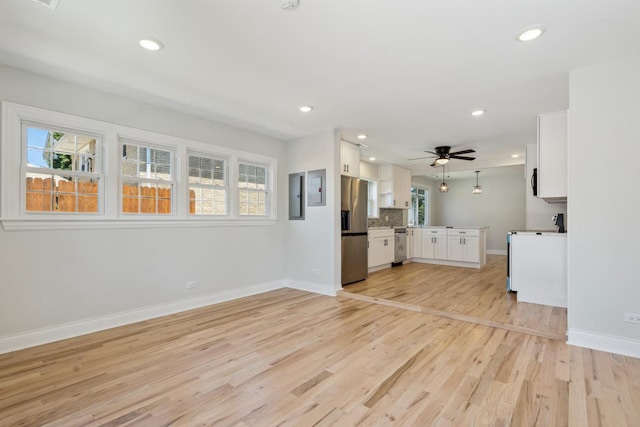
[552, 156]
[394, 184]
[350, 159]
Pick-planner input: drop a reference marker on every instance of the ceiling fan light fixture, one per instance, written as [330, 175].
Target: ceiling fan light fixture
[441, 161]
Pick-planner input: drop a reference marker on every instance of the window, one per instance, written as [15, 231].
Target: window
[60, 170]
[207, 185]
[147, 180]
[253, 190]
[419, 209]
[372, 199]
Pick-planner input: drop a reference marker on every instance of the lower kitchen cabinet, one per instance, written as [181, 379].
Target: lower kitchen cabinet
[460, 247]
[434, 243]
[463, 249]
[464, 245]
[416, 242]
[370, 262]
[381, 247]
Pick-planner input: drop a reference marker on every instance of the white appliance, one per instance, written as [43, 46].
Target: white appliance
[537, 267]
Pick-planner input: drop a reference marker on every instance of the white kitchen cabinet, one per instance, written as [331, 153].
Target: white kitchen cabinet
[552, 156]
[394, 187]
[350, 159]
[434, 243]
[416, 242]
[370, 261]
[383, 247]
[463, 245]
[409, 244]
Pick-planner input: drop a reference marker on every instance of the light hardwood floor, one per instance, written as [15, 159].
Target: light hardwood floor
[461, 293]
[292, 358]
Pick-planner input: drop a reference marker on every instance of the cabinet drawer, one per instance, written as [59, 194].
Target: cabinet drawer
[381, 233]
[463, 232]
[434, 231]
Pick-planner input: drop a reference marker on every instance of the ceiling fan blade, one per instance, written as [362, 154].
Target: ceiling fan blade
[431, 152]
[461, 157]
[462, 152]
[434, 164]
[420, 158]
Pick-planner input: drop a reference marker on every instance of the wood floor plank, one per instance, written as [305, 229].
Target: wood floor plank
[476, 295]
[289, 357]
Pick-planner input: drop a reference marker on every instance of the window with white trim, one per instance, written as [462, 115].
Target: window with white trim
[147, 179]
[372, 199]
[253, 190]
[61, 170]
[208, 186]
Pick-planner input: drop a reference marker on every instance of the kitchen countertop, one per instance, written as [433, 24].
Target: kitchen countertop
[455, 227]
[538, 232]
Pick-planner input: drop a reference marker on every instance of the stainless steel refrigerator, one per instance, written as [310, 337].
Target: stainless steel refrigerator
[354, 229]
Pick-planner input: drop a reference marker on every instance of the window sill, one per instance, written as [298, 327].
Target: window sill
[42, 225]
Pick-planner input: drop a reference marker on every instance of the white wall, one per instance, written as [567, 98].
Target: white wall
[501, 206]
[539, 212]
[310, 242]
[603, 256]
[62, 277]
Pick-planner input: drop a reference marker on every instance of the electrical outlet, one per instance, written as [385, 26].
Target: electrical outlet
[632, 318]
[315, 272]
[191, 285]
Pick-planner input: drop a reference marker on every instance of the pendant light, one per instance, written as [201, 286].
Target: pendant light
[477, 189]
[443, 187]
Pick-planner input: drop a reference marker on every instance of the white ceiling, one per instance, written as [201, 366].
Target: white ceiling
[407, 73]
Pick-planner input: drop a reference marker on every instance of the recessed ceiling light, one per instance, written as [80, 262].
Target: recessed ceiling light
[372, 158]
[305, 108]
[151, 44]
[515, 156]
[477, 113]
[531, 33]
[362, 136]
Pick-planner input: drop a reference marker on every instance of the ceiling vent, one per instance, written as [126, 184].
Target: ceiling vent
[51, 4]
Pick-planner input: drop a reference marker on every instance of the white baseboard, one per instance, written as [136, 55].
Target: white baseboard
[316, 288]
[497, 252]
[608, 343]
[74, 329]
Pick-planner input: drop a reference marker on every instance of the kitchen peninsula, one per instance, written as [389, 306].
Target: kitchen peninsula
[454, 246]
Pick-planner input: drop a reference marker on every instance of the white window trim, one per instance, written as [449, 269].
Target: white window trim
[269, 182]
[227, 184]
[11, 188]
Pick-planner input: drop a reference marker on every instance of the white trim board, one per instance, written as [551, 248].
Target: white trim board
[316, 288]
[608, 343]
[87, 326]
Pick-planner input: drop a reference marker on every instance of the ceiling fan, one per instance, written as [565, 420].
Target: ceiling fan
[443, 154]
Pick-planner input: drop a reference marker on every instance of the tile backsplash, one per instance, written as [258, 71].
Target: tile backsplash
[388, 217]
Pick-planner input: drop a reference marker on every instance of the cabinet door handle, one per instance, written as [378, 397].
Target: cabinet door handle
[385, 242]
[461, 240]
[394, 202]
